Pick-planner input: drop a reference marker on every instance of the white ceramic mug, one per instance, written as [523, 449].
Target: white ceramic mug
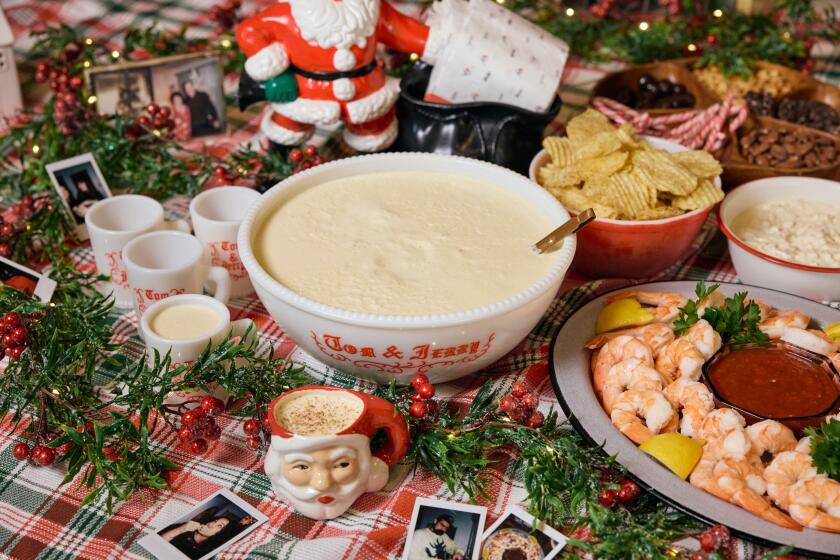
[216, 215]
[187, 349]
[113, 222]
[161, 264]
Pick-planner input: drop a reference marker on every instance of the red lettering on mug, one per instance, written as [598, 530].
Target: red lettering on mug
[116, 269]
[224, 254]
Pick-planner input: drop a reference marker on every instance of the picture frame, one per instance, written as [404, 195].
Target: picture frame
[462, 537]
[190, 86]
[520, 530]
[80, 184]
[182, 540]
[26, 280]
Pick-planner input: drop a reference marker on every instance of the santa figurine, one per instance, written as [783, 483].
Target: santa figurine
[317, 62]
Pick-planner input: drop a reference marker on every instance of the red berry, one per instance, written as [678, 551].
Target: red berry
[7, 230]
[43, 455]
[5, 250]
[536, 420]
[251, 427]
[12, 319]
[189, 418]
[15, 352]
[531, 400]
[42, 67]
[415, 397]
[629, 491]
[75, 82]
[427, 390]
[709, 541]
[212, 405]
[7, 341]
[698, 556]
[519, 389]
[111, 453]
[711, 39]
[295, 155]
[199, 445]
[165, 112]
[19, 335]
[310, 151]
[185, 434]
[418, 409]
[144, 120]
[507, 404]
[21, 451]
[214, 432]
[721, 532]
[152, 108]
[29, 202]
[607, 497]
[418, 380]
[220, 172]
[254, 442]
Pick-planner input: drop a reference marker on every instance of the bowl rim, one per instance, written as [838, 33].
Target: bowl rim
[730, 235]
[625, 223]
[263, 280]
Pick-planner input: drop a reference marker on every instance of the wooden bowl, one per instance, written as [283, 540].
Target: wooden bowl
[797, 80]
[677, 71]
[824, 93]
[738, 170]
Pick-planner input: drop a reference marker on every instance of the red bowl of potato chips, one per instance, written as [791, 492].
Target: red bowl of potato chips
[625, 192]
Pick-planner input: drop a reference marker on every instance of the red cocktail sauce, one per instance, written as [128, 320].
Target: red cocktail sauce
[773, 382]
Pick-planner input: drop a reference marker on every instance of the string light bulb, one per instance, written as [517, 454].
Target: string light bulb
[718, 13]
[91, 99]
[691, 47]
[570, 12]
[786, 35]
[36, 149]
[414, 57]
[226, 44]
[644, 26]
[115, 54]
[86, 63]
[88, 41]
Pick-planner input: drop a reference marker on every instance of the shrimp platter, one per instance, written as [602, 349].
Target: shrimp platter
[737, 380]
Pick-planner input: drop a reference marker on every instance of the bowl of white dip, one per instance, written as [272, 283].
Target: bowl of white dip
[784, 233]
[390, 265]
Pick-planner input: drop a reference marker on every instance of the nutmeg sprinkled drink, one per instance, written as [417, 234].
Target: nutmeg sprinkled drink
[317, 412]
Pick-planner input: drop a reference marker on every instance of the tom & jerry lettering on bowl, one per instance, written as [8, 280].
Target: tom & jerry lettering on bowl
[409, 333]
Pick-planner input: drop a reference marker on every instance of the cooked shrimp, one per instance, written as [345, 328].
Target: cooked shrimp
[815, 503]
[616, 350]
[741, 483]
[732, 442]
[655, 335]
[804, 445]
[704, 338]
[666, 305]
[810, 339]
[714, 299]
[628, 374]
[769, 438]
[785, 470]
[642, 414]
[780, 319]
[680, 358]
[718, 421]
[694, 400]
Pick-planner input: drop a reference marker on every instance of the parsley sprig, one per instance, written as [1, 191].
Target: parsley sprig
[736, 320]
[825, 447]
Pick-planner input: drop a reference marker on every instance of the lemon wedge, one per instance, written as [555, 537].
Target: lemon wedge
[833, 330]
[677, 452]
[622, 313]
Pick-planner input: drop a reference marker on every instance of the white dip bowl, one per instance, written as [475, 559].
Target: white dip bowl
[384, 347]
[760, 269]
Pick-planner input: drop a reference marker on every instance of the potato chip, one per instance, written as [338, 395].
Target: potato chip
[583, 127]
[629, 196]
[575, 200]
[599, 145]
[706, 194]
[598, 187]
[553, 176]
[627, 135]
[606, 165]
[665, 174]
[699, 162]
[560, 150]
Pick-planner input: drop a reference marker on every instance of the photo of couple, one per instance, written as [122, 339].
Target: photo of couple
[190, 85]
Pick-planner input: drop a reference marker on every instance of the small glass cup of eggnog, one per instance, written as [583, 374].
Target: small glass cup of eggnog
[183, 326]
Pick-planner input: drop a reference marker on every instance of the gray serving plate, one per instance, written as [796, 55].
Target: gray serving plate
[569, 373]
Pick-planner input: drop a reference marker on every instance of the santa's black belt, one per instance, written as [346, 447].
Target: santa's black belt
[332, 76]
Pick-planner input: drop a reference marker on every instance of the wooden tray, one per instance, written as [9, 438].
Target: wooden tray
[738, 170]
[677, 71]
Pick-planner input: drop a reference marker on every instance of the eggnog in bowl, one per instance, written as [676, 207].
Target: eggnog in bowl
[404, 243]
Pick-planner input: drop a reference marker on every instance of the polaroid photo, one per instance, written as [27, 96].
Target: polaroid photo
[516, 535]
[442, 529]
[79, 184]
[190, 85]
[26, 280]
[206, 530]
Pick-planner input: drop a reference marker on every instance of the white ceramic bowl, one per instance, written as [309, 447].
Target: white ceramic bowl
[761, 269]
[385, 347]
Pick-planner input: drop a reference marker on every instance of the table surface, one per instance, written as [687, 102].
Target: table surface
[39, 519]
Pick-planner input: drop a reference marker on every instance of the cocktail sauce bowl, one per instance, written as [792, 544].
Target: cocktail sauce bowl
[383, 347]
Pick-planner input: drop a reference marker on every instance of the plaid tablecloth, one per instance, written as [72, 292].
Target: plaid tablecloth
[39, 519]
